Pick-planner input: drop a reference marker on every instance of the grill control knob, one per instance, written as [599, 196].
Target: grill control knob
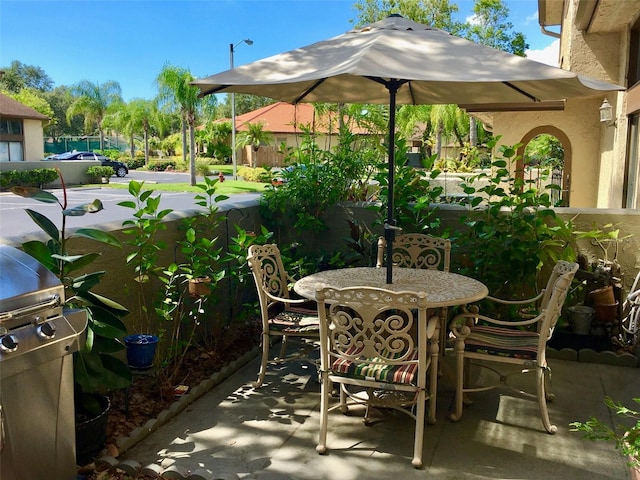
[47, 330]
[8, 343]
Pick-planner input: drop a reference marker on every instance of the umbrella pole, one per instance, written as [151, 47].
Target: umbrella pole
[390, 225]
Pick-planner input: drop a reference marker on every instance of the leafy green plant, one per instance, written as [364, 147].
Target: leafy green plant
[413, 194]
[27, 178]
[625, 436]
[146, 247]
[99, 172]
[96, 368]
[512, 231]
[199, 244]
[238, 271]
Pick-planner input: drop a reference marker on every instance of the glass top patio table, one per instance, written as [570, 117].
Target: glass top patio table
[443, 289]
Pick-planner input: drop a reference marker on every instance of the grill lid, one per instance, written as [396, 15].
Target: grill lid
[25, 284]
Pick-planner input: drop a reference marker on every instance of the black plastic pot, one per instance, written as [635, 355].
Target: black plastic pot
[91, 433]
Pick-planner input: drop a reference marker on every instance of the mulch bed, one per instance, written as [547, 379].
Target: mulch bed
[146, 397]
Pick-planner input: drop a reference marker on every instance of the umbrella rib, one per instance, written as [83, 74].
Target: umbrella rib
[315, 85]
[519, 90]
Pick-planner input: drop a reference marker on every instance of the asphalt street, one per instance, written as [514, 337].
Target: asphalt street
[15, 224]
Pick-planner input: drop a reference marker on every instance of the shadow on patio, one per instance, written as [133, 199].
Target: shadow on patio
[235, 431]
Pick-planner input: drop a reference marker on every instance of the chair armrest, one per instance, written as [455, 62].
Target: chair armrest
[516, 302]
[462, 320]
[286, 300]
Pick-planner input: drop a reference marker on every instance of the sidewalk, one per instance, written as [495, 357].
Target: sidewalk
[235, 431]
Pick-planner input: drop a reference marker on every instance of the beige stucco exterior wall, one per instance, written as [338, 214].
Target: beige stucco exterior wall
[603, 56]
[33, 144]
[580, 122]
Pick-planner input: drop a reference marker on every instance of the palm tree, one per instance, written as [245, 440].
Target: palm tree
[92, 100]
[255, 135]
[175, 90]
[144, 117]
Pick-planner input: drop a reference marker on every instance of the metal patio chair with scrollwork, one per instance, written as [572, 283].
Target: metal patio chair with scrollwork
[484, 341]
[378, 346]
[283, 317]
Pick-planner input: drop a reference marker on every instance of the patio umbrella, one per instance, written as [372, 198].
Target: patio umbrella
[398, 61]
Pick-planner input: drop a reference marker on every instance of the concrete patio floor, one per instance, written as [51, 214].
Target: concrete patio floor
[237, 432]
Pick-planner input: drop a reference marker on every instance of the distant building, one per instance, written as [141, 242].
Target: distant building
[21, 131]
[287, 123]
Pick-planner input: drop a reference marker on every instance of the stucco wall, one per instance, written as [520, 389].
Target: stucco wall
[33, 145]
[580, 122]
[118, 283]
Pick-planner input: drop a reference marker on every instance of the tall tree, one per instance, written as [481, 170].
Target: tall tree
[92, 100]
[174, 85]
[18, 76]
[490, 26]
[437, 13]
[244, 103]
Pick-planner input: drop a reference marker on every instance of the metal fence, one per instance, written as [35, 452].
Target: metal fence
[69, 144]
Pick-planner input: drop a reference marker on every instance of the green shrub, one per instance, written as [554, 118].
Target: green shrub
[99, 172]
[27, 178]
[162, 166]
[202, 167]
[257, 174]
[135, 162]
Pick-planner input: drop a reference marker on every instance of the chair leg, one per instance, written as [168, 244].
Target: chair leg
[542, 400]
[265, 359]
[324, 407]
[434, 351]
[460, 374]
[283, 347]
[419, 436]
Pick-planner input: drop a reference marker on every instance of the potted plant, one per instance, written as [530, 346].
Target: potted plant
[97, 370]
[199, 245]
[625, 435]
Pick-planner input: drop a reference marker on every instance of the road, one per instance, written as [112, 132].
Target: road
[15, 224]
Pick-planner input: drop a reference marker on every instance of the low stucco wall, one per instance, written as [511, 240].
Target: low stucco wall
[118, 283]
[73, 172]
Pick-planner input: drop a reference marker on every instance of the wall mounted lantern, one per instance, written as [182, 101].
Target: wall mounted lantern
[606, 113]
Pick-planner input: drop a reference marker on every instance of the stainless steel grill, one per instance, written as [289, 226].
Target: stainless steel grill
[37, 337]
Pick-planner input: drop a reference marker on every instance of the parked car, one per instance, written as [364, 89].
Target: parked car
[119, 168]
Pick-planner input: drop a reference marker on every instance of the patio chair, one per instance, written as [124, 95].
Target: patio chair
[377, 346]
[418, 250]
[519, 341]
[282, 316]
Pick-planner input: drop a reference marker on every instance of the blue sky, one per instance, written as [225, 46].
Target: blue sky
[129, 41]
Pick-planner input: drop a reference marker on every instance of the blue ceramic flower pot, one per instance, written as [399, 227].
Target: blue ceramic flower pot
[141, 349]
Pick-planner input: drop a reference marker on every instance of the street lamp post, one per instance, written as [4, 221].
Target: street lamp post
[234, 159]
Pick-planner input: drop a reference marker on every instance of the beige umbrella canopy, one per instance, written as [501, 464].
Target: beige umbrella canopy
[398, 61]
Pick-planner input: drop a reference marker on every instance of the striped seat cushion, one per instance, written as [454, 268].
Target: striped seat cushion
[368, 369]
[296, 319]
[502, 342]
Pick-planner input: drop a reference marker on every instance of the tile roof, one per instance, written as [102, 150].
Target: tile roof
[285, 118]
[12, 108]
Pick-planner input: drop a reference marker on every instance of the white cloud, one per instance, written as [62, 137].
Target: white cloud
[531, 18]
[548, 55]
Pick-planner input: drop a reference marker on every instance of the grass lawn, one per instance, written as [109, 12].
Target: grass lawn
[229, 187]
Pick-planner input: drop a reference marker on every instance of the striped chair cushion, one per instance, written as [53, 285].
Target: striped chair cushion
[296, 319]
[367, 369]
[502, 342]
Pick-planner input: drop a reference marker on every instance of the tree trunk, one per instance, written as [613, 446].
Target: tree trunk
[473, 132]
[146, 147]
[184, 140]
[192, 154]
[438, 145]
